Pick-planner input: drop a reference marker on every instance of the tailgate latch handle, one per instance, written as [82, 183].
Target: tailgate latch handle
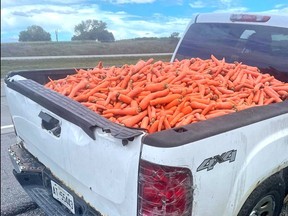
[50, 124]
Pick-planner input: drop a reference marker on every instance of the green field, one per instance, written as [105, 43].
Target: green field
[133, 46]
[15, 65]
[155, 45]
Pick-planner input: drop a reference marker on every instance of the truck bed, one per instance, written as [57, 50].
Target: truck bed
[88, 143]
[33, 88]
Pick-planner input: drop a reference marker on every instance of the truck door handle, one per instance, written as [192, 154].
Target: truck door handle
[50, 124]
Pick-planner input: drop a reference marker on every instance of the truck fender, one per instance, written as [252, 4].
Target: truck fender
[267, 198]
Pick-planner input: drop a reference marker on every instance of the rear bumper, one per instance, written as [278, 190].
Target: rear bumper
[35, 179]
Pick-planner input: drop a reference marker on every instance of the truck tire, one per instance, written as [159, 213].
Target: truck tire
[267, 199]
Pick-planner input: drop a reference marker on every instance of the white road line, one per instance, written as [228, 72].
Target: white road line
[7, 127]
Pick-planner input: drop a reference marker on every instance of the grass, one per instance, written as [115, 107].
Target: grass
[155, 45]
[131, 46]
[15, 65]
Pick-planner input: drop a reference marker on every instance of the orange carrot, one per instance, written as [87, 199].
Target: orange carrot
[133, 93]
[111, 96]
[144, 122]
[125, 111]
[166, 123]
[269, 91]
[224, 90]
[154, 127]
[93, 104]
[200, 100]
[258, 86]
[186, 110]
[176, 119]
[129, 122]
[161, 123]
[186, 120]
[100, 95]
[124, 82]
[103, 84]
[279, 88]
[165, 100]
[155, 87]
[215, 60]
[256, 96]
[198, 105]
[124, 98]
[138, 66]
[250, 98]
[267, 79]
[224, 105]
[152, 115]
[261, 98]
[200, 117]
[208, 108]
[82, 84]
[216, 114]
[146, 100]
[180, 76]
[269, 101]
[173, 103]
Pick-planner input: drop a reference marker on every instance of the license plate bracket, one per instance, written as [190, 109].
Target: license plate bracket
[64, 197]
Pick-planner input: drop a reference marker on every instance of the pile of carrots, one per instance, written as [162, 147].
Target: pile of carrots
[160, 95]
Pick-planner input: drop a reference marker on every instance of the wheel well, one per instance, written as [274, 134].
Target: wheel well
[275, 184]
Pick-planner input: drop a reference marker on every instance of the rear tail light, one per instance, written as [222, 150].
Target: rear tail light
[248, 18]
[164, 190]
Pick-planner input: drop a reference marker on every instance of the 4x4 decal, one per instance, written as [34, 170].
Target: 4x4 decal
[209, 163]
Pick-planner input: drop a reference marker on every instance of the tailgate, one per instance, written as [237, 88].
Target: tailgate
[92, 156]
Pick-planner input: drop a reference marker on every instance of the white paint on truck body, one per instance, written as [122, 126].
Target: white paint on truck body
[261, 148]
[102, 171]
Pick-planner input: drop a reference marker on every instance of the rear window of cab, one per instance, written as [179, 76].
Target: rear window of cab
[265, 47]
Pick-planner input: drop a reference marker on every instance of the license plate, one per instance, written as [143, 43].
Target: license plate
[63, 196]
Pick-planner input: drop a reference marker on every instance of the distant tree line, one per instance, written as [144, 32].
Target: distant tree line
[34, 33]
[92, 30]
[86, 30]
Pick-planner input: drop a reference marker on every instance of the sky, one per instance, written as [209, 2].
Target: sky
[126, 19]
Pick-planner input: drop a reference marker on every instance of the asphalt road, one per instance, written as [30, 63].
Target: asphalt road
[14, 200]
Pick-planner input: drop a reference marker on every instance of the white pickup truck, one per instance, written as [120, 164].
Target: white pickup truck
[71, 160]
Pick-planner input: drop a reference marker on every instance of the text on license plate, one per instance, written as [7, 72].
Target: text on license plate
[63, 196]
